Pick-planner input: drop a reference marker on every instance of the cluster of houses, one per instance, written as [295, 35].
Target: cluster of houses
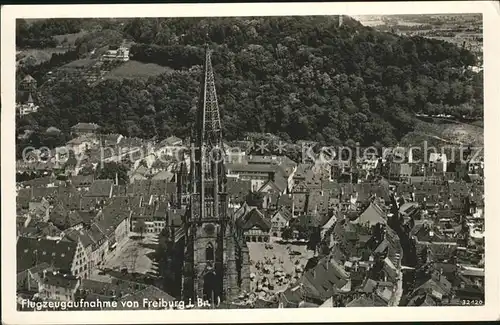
[26, 89]
[383, 232]
[121, 53]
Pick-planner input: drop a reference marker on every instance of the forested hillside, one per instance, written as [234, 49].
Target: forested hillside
[296, 77]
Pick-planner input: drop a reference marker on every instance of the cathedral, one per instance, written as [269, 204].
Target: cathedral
[206, 254]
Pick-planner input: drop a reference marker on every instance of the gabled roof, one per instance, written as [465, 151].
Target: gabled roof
[302, 170]
[325, 278]
[372, 215]
[96, 233]
[254, 218]
[285, 213]
[113, 214]
[64, 219]
[82, 235]
[33, 251]
[29, 78]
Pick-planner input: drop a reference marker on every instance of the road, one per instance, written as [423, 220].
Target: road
[396, 297]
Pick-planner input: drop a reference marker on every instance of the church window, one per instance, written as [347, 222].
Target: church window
[209, 252]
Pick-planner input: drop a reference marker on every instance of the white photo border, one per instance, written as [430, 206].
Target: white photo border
[491, 20]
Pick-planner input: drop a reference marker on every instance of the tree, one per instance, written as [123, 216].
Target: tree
[140, 227]
[318, 82]
[287, 233]
[112, 170]
[255, 199]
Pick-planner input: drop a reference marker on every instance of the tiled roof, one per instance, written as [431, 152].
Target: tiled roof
[117, 287]
[82, 235]
[366, 190]
[175, 216]
[164, 175]
[89, 203]
[96, 233]
[299, 202]
[372, 215]
[367, 301]
[301, 171]
[82, 180]
[324, 279]
[119, 190]
[113, 214]
[254, 218]
[60, 280]
[46, 192]
[285, 213]
[64, 219]
[162, 187]
[152, 293]
[32, 251]
[253, 168]
[285, 200]
[100, 188]
[318, 202]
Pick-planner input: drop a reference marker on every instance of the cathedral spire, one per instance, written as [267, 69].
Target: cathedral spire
[208, 173]
[210, 131]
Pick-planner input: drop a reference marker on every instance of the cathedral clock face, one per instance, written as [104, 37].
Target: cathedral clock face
[209, 229]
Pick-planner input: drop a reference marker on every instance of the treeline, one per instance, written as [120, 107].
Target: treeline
[168, 55]
[98, 40]
[296, 77]
[39, 33]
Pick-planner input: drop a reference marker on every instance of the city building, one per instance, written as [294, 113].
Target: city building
[209, 255]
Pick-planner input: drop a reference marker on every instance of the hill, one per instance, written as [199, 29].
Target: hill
[296, 77]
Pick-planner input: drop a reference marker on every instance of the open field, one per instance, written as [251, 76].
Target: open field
[135, 69]
[79, 64]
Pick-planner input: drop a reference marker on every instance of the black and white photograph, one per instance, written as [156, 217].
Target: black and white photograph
[251, 161]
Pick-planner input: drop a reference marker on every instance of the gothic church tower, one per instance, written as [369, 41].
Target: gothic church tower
[210, 269]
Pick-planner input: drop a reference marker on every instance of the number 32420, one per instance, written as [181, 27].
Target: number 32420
[469, 302]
